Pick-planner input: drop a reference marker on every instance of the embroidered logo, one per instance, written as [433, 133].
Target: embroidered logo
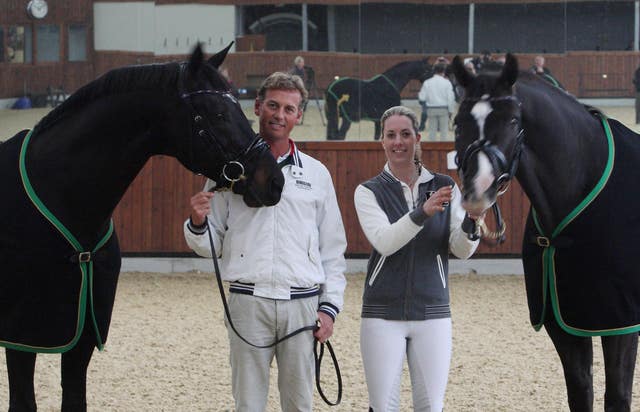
[303, 185]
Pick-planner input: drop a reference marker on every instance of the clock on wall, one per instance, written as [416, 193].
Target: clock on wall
[37, 9]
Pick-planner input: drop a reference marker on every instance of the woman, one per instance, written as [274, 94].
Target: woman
[412, 218]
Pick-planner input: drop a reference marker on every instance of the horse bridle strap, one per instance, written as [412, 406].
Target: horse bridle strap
[318, 356]
[233, 169]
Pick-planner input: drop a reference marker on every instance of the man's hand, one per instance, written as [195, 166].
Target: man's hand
[325, 327]
[200, 207]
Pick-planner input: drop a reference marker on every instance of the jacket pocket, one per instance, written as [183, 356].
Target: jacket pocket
[441, 271]
[376, 270]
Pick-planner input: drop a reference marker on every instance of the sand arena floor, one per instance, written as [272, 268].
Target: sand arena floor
[168, 351]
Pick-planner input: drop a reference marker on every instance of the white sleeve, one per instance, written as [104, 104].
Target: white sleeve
[333, 245]
[422, 94]
[459, 243]
[387, 238]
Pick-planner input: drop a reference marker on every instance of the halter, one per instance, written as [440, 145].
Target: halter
[498, 162]
[495, 155]
[233, 169]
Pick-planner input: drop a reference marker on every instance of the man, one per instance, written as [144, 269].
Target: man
[285, 263]
[538, 66]
[636, 82]
[437, 93]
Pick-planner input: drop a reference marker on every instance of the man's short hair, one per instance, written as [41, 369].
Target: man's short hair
[283, 81]
[439, 68]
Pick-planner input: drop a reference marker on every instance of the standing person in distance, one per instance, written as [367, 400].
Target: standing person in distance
[437, 93]
[285, 263]
[412, 218]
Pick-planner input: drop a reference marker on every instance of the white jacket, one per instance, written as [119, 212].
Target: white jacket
[300, 242]
[437, 91]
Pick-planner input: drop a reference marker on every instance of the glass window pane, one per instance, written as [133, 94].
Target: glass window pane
[1, 43]
[77, 43]
[48, 41]
[15, 44]
[28, 44]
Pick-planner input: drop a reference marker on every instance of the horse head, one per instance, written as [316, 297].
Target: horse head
[488, 133]
[425, 71]
[221, 143]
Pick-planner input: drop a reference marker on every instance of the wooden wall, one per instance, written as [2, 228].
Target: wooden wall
[150, 216]
[580, 72]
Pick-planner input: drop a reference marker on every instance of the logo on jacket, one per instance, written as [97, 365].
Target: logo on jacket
[303, 185]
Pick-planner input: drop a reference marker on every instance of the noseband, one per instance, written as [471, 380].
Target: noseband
[233, 168]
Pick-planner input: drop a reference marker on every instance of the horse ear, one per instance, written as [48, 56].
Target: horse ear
[217, 59]
[462, 75]
[196, 59]
[509, 73]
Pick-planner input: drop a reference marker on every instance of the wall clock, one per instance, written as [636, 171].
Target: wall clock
[37, 9]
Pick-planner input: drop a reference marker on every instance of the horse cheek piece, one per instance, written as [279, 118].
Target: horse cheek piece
[64, 178]
[580, 240]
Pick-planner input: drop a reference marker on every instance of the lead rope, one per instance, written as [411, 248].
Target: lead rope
[318, 356]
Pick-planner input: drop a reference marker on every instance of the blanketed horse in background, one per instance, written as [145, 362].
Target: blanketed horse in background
[353, 100]
[580, 248]
[59, 257]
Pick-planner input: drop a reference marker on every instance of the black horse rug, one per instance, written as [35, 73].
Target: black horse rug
[586, 272]
[51, 285]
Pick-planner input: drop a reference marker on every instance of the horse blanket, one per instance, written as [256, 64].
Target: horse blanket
[47, 295]
[587, 272]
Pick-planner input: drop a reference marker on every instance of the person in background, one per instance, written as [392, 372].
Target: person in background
[412, 218]
[636, 82]
[541, 70]
[285, 263]
[307, 75]
[437, 93]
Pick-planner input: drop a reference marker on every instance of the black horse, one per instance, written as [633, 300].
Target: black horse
[579, 251]
[61, 181]
[355, 99]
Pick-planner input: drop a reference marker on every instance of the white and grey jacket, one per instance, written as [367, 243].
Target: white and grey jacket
[407, 275]
[284, 251]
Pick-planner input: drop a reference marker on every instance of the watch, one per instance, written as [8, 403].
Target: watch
[37, 8]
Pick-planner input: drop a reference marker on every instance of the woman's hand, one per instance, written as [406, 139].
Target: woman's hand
[438, 201]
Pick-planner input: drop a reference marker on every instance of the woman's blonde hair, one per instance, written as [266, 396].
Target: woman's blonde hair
[411, 115]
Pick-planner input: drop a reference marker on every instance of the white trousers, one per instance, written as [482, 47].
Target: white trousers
[427, 346]
[260, 321]
[438, 121]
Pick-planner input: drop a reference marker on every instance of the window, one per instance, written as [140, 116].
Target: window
[48, 40]
[1, 43]
[16, 44]
[77, 43]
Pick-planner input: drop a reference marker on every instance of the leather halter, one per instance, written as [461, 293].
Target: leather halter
[495, 155]
[233, 168]
[502, 182]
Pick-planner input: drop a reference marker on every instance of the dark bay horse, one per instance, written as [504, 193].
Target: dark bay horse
[59, 257]
[353, 100]
[580, 248]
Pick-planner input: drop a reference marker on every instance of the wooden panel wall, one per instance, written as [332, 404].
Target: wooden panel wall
[580, 72]
[150, 216]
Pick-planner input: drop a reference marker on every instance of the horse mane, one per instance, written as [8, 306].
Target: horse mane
[121, 80]
[405, 63]
[534, 80]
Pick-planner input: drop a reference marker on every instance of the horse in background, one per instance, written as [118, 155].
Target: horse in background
[580, 242]
[59, 255]
[353, 100]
